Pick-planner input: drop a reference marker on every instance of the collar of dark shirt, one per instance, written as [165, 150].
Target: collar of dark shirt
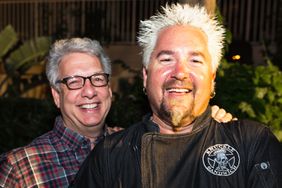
[199, 122]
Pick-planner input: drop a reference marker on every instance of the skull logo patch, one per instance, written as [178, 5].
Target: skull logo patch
[221, 160]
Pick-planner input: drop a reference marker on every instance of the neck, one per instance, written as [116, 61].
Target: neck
[93, 141]
[169, 128]
[93, 135]
[90, 132]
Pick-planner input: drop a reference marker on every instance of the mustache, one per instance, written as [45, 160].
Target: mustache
[172, 83]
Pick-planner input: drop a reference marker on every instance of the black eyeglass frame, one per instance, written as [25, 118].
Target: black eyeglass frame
[65, 80]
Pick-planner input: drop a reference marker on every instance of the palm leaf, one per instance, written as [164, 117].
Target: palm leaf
[8, 38]
[28, 53]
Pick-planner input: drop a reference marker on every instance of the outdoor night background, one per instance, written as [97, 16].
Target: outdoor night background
[248, 83]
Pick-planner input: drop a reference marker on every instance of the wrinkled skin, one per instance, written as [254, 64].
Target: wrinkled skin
[179, 79]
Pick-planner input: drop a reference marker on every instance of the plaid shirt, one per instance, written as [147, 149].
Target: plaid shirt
[51, 160]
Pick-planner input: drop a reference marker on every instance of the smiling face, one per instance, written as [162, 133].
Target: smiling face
[179, 78]
[84, 110]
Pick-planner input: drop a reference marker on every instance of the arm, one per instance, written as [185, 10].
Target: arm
[7, 175]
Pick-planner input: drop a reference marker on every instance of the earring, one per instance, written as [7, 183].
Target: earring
[212, 94]
[144, 91]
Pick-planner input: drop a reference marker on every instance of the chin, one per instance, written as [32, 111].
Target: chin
[91, 123]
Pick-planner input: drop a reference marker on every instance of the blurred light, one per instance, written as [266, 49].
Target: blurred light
[236, 57]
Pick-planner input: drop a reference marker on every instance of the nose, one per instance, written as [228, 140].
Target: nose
[88, 90]
[181, 70]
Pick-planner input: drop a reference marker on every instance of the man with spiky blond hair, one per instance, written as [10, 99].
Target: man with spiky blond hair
[179, 144]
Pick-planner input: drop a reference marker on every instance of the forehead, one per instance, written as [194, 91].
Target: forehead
[80, 63]
[181, 37]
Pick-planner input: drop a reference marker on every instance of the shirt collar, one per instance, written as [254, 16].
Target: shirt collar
[72, 138]
[199, 122]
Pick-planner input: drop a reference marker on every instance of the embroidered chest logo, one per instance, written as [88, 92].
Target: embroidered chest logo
[221, 160]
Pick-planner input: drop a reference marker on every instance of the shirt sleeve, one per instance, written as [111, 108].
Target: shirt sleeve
[7, 174]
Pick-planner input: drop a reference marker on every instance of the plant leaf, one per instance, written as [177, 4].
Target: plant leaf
[8, 38]
[28, 53]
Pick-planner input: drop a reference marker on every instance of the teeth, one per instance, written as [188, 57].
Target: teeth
[178, 90]
[88, 106]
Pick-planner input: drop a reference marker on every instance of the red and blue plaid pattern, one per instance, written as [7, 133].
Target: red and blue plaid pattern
[51, 160]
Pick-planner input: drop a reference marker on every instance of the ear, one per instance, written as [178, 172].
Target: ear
[213, 81]
[110, 91]
[213, 76]
[144, 77]
[56, 97]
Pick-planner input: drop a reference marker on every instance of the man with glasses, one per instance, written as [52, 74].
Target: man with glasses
[78, 71]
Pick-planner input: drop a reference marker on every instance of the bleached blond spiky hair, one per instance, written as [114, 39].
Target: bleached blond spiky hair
[178, 14]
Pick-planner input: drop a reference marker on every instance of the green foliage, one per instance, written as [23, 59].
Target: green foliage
[8, 38]
[129, 105]
[248, 91]
[16, 58]
[27, 54]
[251, 92]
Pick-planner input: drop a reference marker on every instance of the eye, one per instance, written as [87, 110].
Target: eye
[74, 81]
[98, 78]
[194, 60]
[165, 59]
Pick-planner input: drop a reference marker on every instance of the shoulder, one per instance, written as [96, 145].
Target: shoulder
[35, 150]
[23, 164]
[16, 164]
[118, 140]
[248, 131]
[126, 135]
[244, 126]
[252, 125]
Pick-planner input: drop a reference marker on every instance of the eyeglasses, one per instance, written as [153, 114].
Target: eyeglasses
[77, 82]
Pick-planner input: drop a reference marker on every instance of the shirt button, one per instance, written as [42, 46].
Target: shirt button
[263, 165]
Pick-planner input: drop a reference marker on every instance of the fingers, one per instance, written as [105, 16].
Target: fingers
[214, 109]
[220, 115]
[226, 118]
[114, 129]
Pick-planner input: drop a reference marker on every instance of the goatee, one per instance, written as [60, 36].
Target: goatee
[177, 114]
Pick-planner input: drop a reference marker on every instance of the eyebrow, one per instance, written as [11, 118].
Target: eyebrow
[170, 52]
[197, 53]
[165, 52]
[82, 75]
